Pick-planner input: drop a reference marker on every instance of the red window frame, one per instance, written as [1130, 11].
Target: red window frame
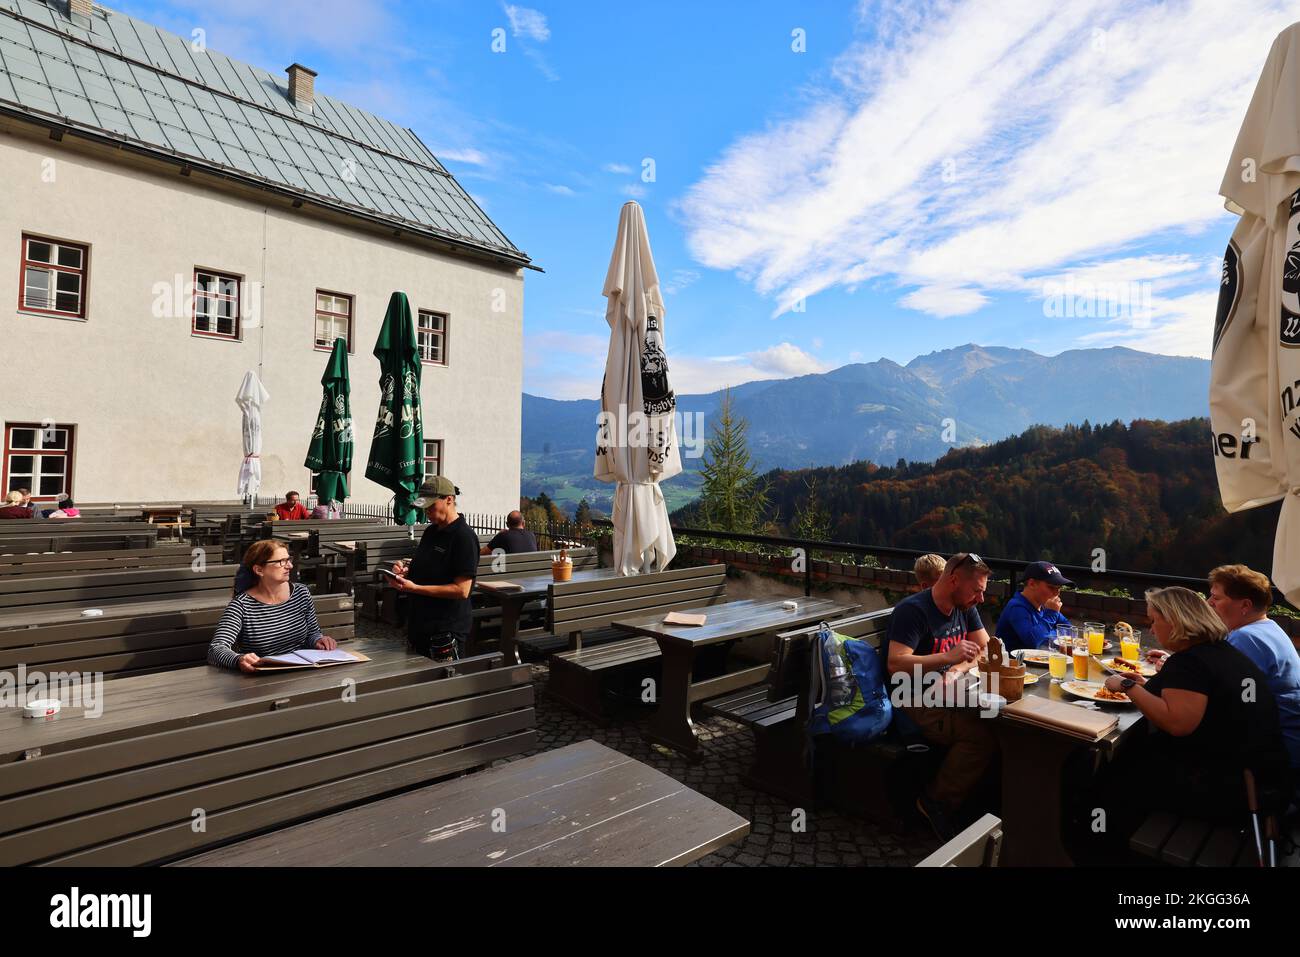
[317, 312]
[444, 332]
[68, 454]
[435, 458]
[236, 298]
[84, 272]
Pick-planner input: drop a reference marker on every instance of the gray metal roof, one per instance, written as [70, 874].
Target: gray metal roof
[134, 82]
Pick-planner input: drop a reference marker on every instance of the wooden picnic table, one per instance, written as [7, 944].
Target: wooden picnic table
[583, 805]
[679, 646]
[1033, 761]
[532, 587]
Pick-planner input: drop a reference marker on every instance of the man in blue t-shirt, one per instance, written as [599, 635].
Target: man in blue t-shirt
[939, 630]
[1030, 618]
[1241, 597]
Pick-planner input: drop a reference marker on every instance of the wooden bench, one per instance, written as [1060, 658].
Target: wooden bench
[863, 780]
[581, 612]
[242, 754]
[52, 563]
[136, 638]
[977, 846]
[62, 537]
[581, 805]
[20, 593]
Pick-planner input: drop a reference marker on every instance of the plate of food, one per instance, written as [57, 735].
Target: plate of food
[1131, 667]
[1094, 691]
[1033, 656]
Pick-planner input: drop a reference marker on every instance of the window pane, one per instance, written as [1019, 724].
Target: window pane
[51, 485]
[70, 256]
[54, 439]
[68, 302]
[322, 302]
[36, 289]
[23, 439]
[230, 287]
[68, 282]
[225, 308]
[226, 326]
[16, 482]
[21, 464]
[38, 252]
[52, 465]
[201, 324]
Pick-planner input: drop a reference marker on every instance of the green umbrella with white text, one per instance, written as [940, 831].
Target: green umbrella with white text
[330, 452]
[397, 449]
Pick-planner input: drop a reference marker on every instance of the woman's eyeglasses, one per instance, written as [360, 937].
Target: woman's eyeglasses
[282, 562]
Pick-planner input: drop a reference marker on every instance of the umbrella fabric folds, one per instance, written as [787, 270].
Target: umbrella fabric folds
[397, 449]
[636, 442]
[250, 398]
[1255, 366]
[330, 452]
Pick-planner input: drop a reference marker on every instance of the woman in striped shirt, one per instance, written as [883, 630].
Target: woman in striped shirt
[268, 615]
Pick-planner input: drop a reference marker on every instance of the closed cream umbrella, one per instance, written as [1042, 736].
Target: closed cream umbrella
[1255, 366]
[636, 444]
[250, 398]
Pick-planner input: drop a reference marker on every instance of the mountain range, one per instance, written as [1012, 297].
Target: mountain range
[882, 411]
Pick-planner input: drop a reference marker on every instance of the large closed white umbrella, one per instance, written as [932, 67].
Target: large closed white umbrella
[252, 394]
[1255, 366]
[636, 443]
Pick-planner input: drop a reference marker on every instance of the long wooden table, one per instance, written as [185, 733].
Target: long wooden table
[582, 805]
[1033, 761]
[532, 588]
[125, 780]
[725, 623]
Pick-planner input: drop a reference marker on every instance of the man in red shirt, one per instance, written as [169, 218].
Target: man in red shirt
[291, 510]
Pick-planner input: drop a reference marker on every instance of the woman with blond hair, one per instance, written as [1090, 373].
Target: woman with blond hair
[1210, 715]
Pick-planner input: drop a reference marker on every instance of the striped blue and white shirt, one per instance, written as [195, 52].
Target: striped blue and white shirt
[250, 625]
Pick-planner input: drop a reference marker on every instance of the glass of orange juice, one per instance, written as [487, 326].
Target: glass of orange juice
[1058, 662]
[1130, 646]
[1081, 660]
[1096, 633]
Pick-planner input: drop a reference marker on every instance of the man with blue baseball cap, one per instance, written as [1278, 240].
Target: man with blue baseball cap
[1030, 618]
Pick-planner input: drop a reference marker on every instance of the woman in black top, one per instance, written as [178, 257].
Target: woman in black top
[1210, 715]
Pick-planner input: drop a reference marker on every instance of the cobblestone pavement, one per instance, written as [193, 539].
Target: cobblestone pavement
[829, 839]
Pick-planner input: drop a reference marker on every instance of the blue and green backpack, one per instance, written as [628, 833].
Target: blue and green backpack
[850, 700]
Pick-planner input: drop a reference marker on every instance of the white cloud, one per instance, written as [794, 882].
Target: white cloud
[635, 190]
[1178, 325]
[527, 22]
[560, 189]
[786, 360]
[679, 280]
[978, 147]
[621, 168]
[468, 155]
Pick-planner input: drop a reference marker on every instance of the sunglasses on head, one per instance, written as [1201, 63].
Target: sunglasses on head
[970, 557]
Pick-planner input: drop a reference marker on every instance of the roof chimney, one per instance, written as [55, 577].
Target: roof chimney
[81, 11]
[302, 86]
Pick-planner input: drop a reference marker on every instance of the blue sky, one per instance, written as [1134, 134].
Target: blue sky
[832, 181]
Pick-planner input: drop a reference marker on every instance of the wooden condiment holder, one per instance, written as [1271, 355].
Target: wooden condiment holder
[1010, 672]
[562, 567]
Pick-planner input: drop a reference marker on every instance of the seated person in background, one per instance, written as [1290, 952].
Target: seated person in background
[927, 570]
[327, 510]
[291, 510]
[13, 507]
[1204, 729]
[66, 509]
[269, 615]
[1030, 618]
[1241, 597]
[513, 539]
[940, 630]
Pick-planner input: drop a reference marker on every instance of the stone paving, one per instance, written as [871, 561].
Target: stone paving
[829, 839]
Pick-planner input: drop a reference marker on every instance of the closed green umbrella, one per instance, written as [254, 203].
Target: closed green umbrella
[397, 449]
[330, 453]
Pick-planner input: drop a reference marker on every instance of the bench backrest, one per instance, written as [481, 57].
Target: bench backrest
[792, 662]
[89, 589]
[580, 606]
[59, 540]
[17, 527]
[977, 846]
[533, 563]
[117, 559]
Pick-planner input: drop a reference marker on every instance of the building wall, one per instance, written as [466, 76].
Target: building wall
[153, 405]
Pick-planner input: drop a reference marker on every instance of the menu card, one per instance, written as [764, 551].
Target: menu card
[683, 618]
[1059, 716]
[308, 658]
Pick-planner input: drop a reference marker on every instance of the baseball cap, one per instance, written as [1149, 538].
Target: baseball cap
[437, 487]
[1045, 571]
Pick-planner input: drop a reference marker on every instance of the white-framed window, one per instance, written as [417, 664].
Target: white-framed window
[431, 337]
[38, 458]
[333, 319]
[52, 280]
[432, 458]
[216, 304]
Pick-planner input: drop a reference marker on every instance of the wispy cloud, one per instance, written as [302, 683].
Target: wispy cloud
[469, 156]
[527, 22]
[621, 168]
[679, 280]
[560, 189]
[961, 160]
[635, 190]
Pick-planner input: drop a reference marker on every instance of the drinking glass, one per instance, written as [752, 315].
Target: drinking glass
[1130, 646]
[1081, 660]
[1058, 663]
[1096, 633]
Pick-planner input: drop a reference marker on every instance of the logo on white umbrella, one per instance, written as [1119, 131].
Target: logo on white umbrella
[1229, 291]
[657, 397]
[1290, 318]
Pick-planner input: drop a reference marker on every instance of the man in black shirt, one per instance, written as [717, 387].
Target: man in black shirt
[440, 576]
[514, 538]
